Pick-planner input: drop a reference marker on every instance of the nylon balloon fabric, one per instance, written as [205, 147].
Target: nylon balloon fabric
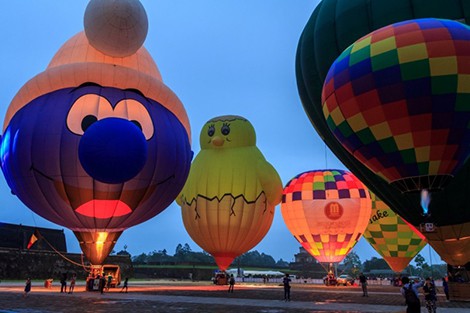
[327, 211]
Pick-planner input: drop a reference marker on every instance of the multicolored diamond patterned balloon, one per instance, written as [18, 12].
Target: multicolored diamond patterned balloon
[397, 241]
[398, 99]
[327, 211]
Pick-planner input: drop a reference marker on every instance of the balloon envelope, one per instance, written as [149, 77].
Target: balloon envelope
[332, 27]
[397, 241]
[228, 201]
[327, 211]
[96, 143]
[397, 100]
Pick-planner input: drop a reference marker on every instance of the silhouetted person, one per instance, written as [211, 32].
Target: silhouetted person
[286, 282]
[363, 281]
[101, 283]
[445, 286]
[125, 285]
[63, 282]
[231, 283]
[430, 297]
[411, 294]
[27, 287]
[72, 282]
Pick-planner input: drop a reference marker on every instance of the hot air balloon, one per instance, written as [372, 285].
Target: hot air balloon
[397, 241]
[397, 100]
[335, 25]
[97, 142]
[228, 201]
[327, 211]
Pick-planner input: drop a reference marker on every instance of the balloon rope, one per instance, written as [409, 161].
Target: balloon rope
[430, 259]
[326, 158]
[63, 256]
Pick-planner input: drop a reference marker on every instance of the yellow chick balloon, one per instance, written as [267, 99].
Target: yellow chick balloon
[229, 198]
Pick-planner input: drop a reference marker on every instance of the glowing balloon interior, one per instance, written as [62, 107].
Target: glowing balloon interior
[327, 211]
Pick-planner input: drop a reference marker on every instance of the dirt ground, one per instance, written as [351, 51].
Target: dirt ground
[202, 297]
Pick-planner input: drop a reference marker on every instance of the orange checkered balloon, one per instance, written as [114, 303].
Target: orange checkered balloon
[327, 211]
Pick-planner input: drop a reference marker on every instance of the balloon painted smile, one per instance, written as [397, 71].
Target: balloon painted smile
[104, 209]
[101, 205]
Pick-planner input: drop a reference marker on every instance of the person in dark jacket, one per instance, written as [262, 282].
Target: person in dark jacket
[363, 281]
[430, 297]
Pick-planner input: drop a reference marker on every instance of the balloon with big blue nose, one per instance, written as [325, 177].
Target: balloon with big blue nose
[97, 142]
[113, 150]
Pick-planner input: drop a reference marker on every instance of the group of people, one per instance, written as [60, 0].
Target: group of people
[63, 283]
[103, 283]
[410, 290]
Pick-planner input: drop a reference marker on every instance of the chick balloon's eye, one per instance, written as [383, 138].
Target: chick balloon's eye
[225, 130]
[137, 124]
[211, 131]
[87, 121]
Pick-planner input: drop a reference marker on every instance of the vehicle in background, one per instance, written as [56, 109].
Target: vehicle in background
[220, 278]
[344, 280]
[92, 281]
[329, 280]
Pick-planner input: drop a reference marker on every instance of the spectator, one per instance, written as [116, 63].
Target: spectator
[411, 294]
[363, 281]
[286, 282]
[27, 287]
[430, 295]
[231, 283]
[63, 282]
[125, 284]
[445, 285]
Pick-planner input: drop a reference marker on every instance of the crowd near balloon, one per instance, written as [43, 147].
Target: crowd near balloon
[98, 143]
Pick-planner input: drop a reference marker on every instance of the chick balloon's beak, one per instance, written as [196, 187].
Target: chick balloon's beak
[217, 141]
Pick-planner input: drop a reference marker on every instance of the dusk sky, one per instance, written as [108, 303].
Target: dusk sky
[220, 58]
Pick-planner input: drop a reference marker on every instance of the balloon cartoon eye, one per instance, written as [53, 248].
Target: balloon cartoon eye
[87, 121]
[91, 108]
[225, 129]
[211, 131]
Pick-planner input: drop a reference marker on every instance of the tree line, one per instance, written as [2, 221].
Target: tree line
[351, 264]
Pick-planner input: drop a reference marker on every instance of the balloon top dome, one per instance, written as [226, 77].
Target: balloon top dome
[117, 28]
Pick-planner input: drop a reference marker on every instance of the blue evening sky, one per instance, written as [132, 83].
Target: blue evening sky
[220, 57]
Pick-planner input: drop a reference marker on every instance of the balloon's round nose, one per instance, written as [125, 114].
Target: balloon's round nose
[113, 150]
[217, 141]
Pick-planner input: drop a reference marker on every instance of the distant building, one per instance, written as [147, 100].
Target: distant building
[304, 257]
[18, 236]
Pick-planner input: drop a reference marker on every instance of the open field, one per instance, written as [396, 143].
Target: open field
[201, 297]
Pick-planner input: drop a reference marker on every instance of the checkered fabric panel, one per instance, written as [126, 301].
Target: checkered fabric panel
[324, 184]
[390, 235]
[398, 99]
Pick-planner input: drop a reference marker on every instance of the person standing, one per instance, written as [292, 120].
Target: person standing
[445, 286]
[363, 281]
[125, 284]
[411, 294]
[286, 282]
[72, 282]
[231, 283]
[430, 297]
[109, 281]
[102, 283]
[27, 287]
[63, 283]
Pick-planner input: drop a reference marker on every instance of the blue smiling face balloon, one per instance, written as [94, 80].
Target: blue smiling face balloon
[95, 157]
